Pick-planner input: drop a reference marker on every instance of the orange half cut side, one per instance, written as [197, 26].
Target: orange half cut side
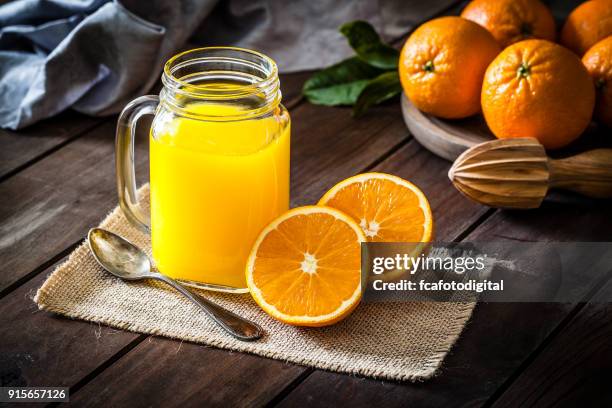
[305, 266]
[387, 208]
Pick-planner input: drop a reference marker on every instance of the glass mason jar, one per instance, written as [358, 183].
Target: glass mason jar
[219, 164]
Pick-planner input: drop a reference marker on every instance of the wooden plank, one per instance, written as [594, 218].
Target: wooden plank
[39, 349]
[329, 145]
[18, 149]
[499, 337]
[54, 201]
[562, 218]
[291, 88]
[173, 373]
[574, 369]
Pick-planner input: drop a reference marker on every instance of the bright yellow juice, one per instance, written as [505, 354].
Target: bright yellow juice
[214, 186]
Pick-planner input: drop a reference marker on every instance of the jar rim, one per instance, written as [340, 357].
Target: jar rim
[177, 84]
[201, 75]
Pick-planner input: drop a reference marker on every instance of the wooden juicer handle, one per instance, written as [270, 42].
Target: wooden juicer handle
[588, 173]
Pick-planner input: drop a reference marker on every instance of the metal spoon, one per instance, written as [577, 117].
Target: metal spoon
[126, 261]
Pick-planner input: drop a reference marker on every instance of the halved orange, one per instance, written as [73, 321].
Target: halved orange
[305, 266]
[388, 208]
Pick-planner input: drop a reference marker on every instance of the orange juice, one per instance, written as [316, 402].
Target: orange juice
[214, 185]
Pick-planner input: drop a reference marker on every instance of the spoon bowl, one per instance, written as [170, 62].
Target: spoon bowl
[118, 255]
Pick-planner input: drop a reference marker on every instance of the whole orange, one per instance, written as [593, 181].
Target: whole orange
[442, 65]
[539, 89]
[511, 21]
[598, 61]
[587, 24]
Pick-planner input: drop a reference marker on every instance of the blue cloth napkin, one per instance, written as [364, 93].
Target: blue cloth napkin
[91, 55]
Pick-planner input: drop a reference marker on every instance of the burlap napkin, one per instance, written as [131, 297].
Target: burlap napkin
[399, 341]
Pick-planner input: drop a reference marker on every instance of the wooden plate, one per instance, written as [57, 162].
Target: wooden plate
[445, 138]
[449, 138]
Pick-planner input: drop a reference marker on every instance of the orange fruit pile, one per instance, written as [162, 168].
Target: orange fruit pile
[533, 88]
[305, 266]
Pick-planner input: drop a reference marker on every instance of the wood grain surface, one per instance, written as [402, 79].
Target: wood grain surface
[17, 149]
[57, 180]
[573, 368]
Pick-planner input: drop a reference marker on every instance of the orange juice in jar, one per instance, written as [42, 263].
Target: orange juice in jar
[219, 159]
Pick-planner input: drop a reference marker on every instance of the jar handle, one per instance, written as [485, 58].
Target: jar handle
[124, 158]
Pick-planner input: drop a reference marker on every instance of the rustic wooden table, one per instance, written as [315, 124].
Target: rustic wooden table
[57, 180]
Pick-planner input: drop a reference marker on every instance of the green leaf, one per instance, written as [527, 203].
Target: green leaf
[367, 44]
[339, 84]
[379, 89]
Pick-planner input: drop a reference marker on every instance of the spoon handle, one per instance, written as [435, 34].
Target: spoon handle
[235, 325]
